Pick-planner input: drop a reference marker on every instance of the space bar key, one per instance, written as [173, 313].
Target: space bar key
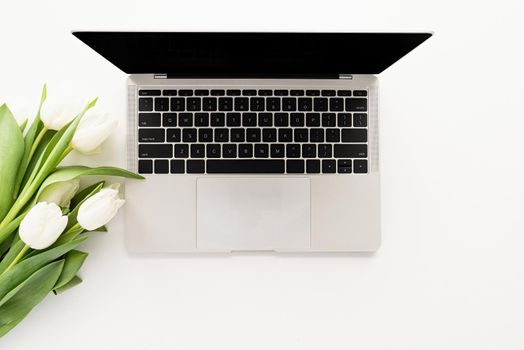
[245, 166]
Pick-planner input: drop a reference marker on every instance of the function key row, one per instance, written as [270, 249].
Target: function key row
[251, 92]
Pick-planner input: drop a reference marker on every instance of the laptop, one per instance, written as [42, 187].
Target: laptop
[253, 141]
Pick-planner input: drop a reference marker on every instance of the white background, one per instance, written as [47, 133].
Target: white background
[450, 273]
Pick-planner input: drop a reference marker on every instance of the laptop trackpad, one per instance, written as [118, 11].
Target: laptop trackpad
[253, 214]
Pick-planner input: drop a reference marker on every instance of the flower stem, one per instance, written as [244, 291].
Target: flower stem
[18, 257]
[66, 152]
[36, 143]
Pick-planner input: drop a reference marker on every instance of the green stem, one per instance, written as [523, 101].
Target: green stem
[18, 257]
[66, 152]
[36, 142]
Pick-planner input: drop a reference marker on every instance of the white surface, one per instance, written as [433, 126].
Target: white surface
[235, 214]
[449, 272]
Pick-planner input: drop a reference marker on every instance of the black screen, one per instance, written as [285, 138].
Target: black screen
[222, 54]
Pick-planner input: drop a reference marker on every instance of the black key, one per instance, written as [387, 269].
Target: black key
[148, 119]
[344, 92]
[249, 92]
[193, 104]
[269, 135]
[245, 150]
[209, 104]
[205, 135]
[329, 166]
[285, 135]
[354, 135]
[361, 166]
[356, 104]
[256, 104]
[145, 166]
[360, 93]
[145, 104]
[213, 150]
[196, 166]
[333, 135]
[225, 104]
[221, 135]
[161, 166]
[312, 119]
[329, 119]
[312, 166]
[197, 151]
[325, 151]
[189, 135]
[253, 135]
[289, 104]
[201, 92]
[149, 93]
[360, 120]
[320, 104]
[277, 151]
[316, 135]
[181, 151]
[305, 104]
[178, 104]
[312, 92]
[297, 93]
[265, 119]
[201, 119]
[249, 119]
[229, 151]
[281, 119]
[293, 150]
[272, 104]
[151, 135]
[245, 166]
[174, 135]
[328, 93]
[185, 119]
[351, 151]
[261, 150]
[177, 166]
[185, 92]
[162, 104]
[281, 92]
[295, 166]
[218, 119]
[155, 151]
[301, 135]
[336, 104]
[345, 166]
[218, 92]
[238, 135]
[241, 104]
[344, 119]
[309, 150]
[297, 119]
[169, 92]
[233, 92]
[169, 119]
[265, 92]
[233, 119]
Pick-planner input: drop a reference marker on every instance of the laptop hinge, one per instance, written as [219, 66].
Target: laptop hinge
[345, 76]
[160, 76]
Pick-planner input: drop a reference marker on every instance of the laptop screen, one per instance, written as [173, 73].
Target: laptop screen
[236, 54]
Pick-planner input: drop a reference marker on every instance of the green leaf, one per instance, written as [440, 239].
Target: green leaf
[11, 255]
[21, 300]
[74, 282]
[73, 262]
[36, 159]
[23, 125]
[11, 151]
[21, 271]
[11, 227]
[84, 194]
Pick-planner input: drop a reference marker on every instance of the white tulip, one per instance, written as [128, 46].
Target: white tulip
[60, 193]
[100, 208]
[56, 115]
[93, 129]
[42, 225]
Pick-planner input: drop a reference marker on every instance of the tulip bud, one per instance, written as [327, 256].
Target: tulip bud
[42, 225]
[93, 129]
[60, 193]
[55, 116]
[100, 208]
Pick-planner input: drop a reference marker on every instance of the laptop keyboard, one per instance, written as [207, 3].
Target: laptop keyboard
[265, 131]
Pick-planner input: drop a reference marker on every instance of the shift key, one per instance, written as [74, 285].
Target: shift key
[155, 151]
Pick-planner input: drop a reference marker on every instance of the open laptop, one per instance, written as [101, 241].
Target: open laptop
[253, 141]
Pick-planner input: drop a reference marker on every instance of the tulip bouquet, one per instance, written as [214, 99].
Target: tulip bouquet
[44, 216]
